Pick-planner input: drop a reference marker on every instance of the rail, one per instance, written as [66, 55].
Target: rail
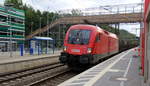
[12, 79]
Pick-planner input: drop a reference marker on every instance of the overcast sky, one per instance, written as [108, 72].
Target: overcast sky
[69, 4]
[54, 5]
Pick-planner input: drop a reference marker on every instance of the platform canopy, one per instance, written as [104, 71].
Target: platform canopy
[41, 38]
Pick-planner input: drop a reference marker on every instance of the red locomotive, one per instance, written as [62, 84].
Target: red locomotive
[87, 44]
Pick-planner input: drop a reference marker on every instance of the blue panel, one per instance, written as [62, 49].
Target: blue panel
[21, 49]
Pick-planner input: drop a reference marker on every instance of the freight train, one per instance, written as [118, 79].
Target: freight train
[87, 44]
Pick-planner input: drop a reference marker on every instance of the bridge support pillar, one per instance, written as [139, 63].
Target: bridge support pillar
[59, 35]
[117, 27]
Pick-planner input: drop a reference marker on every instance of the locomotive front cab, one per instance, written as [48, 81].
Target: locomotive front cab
[77, 46]
[78, 42]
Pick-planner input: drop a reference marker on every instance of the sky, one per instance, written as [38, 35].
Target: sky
[55, 5]
[70, 4]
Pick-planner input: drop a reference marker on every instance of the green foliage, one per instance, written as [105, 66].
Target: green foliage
[123, 34]
[76, 12]
[107, 28]
[126, 35]
[16, 3]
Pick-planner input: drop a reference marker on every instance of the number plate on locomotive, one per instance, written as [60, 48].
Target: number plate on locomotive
[75, 50]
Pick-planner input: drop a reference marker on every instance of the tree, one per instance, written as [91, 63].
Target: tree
[16, 3]
[76, 12]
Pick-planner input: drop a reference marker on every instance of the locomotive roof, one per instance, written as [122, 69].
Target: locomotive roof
[108, 33]
[113, 35]
[86, 26]
[83, 25]
[92, 27]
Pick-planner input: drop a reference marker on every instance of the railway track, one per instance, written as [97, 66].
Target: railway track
[55, 79]
[31, 76]
[59, 77]
[48, 75]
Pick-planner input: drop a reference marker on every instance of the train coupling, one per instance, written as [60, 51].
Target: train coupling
[63, 57]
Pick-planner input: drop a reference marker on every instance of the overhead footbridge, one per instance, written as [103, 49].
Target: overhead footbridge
[128, 13]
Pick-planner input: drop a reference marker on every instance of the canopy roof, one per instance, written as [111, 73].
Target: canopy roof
[41, 38]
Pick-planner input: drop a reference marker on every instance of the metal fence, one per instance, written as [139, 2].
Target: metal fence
[103, 10]
[15, 51]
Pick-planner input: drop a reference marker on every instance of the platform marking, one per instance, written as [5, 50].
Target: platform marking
[126, 72]
[84, 79]
[90, 75]
[93, 81]
[69, 82]
[74, 84]
[115, 70]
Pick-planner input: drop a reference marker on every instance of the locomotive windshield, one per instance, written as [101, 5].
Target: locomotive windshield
[79, 37]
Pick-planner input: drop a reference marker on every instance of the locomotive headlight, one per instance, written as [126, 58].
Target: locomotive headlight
[89, 50]
[65, 48]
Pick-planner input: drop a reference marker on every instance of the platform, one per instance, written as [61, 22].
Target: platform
[120, 70]
[13, 64]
